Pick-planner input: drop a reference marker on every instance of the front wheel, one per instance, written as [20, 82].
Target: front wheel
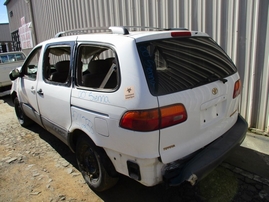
[91, 166]
[23, 119]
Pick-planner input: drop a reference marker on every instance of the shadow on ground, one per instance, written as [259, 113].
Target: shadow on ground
[7, 99]
[252, 161]
[220, 185]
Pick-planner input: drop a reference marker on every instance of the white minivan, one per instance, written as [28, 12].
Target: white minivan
[159, 106]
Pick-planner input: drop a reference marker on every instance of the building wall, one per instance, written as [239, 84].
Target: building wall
[19, 9]
[241, 27]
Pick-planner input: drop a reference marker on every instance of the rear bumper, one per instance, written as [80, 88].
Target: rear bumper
[209, 157]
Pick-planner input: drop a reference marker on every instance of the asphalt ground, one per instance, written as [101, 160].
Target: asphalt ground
[252, 155]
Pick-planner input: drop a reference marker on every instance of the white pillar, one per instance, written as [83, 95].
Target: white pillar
[7, 47]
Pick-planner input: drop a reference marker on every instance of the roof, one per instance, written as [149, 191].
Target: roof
[143, 33]
[114, 29]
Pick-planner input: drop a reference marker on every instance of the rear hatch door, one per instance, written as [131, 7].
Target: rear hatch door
[197, 73]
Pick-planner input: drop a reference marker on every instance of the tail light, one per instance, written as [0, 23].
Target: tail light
[237, 88]
[154, 119]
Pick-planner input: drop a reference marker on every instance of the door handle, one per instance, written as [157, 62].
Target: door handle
[40, 92]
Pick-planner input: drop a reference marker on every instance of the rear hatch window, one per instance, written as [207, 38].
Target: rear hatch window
[177, 64]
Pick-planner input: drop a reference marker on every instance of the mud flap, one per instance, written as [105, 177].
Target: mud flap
[212, 155]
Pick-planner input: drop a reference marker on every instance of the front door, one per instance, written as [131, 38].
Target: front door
[28, 82]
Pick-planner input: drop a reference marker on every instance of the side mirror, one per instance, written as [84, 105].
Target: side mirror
[14, 74]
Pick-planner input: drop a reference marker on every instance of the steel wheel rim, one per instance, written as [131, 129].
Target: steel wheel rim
[90, 166]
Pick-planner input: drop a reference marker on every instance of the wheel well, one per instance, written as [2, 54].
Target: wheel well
[73, 138]
[13, 96]
[72, 141]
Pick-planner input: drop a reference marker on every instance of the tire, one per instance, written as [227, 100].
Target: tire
[91, 161]
[22, 118]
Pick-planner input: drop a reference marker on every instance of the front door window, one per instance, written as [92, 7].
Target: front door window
[31, 65]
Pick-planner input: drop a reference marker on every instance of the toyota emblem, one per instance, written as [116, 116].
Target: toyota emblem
[214, 91]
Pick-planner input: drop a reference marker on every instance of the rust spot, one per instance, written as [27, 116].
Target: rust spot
[169, 147]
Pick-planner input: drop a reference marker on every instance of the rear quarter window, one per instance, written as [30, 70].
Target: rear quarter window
[177, 64]
[97, 68]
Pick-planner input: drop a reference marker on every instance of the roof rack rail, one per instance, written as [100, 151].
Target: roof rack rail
[142, 27]
[82, 31]
[114, 29]
[156, 28]
[174, 28]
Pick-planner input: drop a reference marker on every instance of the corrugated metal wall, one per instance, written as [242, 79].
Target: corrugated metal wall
[241, 27]
[19, 9]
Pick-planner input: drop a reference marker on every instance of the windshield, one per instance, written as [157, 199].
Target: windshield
[177, 64]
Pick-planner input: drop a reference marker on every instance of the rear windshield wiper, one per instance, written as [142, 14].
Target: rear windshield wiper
[214, 77]
[207, 80]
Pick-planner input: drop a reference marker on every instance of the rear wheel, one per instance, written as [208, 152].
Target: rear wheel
[23, 119]
[91, 164]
